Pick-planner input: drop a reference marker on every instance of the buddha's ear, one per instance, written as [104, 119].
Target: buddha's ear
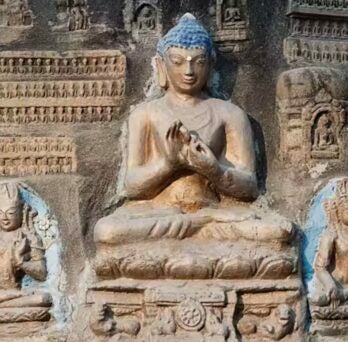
[162, 74]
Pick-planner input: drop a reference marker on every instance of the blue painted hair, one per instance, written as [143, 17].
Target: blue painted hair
[187, 34]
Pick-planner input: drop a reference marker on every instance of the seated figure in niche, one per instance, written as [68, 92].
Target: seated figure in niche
[190, 167]
[324, 136]
[231, 12]
[330, 286]
[21, 252]
[147, 19]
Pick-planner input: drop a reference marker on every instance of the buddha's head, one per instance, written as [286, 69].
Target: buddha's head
[185, 56]
[11, 207]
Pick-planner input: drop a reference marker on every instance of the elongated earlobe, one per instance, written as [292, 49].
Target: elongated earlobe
[162, 74]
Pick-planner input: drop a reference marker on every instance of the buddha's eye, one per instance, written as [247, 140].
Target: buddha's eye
[201, 61]
[176, 60]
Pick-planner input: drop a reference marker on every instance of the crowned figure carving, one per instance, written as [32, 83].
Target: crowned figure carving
[330, 264]
[22, 254]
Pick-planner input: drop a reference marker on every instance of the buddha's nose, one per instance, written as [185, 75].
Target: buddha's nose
[189, 69]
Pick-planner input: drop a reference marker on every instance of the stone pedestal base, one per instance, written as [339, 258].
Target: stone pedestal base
[210, 310]
[328, 322]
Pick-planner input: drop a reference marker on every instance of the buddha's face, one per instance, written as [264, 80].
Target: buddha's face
[10, 216]
[187, 69]
[343, 211]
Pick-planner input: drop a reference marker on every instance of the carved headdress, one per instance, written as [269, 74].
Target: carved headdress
[9, 193]
[332, 205]
[187, 34]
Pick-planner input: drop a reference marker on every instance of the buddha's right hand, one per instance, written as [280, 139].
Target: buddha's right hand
[176, 138]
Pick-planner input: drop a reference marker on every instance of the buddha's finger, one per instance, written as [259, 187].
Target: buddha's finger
[169, 132]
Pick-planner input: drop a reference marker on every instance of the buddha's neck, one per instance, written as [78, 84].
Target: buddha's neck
[184, 100]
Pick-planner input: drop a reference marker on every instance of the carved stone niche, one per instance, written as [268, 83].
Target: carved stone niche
[204, 311]
[46, 87]
[319, 32]
[144, 19]
[325, 261]
[230, 24]
[15, 18]
[311, 106]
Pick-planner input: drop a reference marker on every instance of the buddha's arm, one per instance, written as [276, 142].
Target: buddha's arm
[146, 174]
[235, 175]
[146, 181]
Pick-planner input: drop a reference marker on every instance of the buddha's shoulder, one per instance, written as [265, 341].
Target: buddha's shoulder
[145, 110]
[227, 110]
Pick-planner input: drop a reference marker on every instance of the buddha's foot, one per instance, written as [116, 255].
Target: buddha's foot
[216, 260]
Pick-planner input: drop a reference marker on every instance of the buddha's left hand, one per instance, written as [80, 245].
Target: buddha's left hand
[197, 156]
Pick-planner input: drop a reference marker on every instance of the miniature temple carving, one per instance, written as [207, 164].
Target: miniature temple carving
[22, 252]
[189, 180]
[46, 87]
[230, 25]
[312, 117]
[144, 18]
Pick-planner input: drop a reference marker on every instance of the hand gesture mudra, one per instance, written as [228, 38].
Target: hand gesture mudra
[20, 249]
[187, 149]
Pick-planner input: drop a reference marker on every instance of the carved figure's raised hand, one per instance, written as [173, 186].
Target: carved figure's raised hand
[20, 250]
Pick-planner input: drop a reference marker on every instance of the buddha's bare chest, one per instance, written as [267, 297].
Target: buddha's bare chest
[202, 122]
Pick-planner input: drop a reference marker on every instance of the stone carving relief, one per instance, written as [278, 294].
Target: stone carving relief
[144, 18]
[176, 225]
[230, 24]
[312, 120]
[21, 156]
[26, 235]
[45, 87]
[318, 32]
[325, 257]
[72, 15]
[15, 13]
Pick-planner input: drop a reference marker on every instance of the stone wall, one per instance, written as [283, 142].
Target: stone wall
[70, 73]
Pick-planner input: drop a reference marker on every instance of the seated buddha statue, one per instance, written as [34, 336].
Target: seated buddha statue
[21, 253]
[190, 175]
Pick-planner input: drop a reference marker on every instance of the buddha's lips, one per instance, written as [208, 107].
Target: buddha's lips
[189, 80]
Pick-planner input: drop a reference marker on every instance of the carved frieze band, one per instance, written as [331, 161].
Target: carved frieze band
[319, 29]
[315, 51]
[107, 63]
[36, 156]
[46, 87]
